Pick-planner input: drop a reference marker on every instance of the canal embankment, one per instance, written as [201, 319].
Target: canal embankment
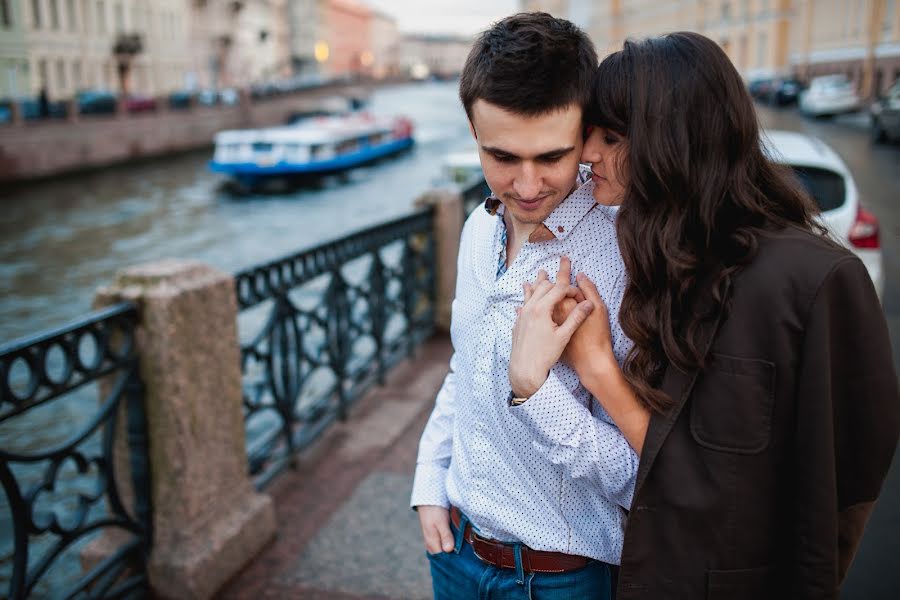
[44, 148]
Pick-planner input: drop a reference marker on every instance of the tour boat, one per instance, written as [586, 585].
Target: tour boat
[313, 146]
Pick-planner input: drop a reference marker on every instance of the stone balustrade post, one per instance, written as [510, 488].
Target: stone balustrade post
[208, 519]
[448, 223]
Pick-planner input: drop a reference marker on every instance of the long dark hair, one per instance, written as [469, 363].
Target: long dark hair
[699, 192]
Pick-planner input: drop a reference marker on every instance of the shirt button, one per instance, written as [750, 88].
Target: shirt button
[560, 229]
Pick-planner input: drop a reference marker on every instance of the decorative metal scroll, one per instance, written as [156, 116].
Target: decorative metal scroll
[325, 324]
[474, 192]
[60, 495]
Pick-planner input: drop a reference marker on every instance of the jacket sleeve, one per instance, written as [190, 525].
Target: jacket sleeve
[848, 419]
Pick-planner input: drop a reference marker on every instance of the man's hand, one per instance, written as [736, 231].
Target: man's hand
[435, 522]
[537, 341]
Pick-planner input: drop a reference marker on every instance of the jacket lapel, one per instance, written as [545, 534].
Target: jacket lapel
[677, 384]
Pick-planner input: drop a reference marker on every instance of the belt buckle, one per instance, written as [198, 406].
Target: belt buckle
[490, 542]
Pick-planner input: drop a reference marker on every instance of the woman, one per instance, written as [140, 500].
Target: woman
[760, 392]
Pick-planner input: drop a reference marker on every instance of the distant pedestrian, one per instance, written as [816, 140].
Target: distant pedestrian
[43, 103]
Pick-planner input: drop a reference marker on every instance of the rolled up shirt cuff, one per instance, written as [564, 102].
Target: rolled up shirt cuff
[552, 411]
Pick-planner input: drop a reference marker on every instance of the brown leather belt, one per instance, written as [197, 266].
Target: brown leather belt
[503, 555]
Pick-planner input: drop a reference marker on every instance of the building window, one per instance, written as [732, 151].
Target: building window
[101, 16]
[859, 16]
[762, 49]
[887, 23]
[42, 74]
[60, 77]
[70, 15]
[54, 14]
[120, 18]
[6, 13]
[76, 75]
[36, 13]
[726, 11]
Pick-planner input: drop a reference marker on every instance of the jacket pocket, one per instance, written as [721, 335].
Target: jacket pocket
[732, 403]
[752, 584]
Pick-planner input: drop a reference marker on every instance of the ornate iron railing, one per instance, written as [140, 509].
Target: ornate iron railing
[325, 324]
[473, 193]
[60, 497]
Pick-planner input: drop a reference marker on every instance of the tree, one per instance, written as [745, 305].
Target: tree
[125, 48]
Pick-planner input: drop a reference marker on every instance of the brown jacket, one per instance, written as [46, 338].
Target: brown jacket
[758, 482]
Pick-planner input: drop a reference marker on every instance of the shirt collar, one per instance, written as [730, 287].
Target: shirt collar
[560, 223]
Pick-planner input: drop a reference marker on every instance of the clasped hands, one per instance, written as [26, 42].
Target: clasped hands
[558, 321]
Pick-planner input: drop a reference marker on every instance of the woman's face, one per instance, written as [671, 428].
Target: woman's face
[605, 149]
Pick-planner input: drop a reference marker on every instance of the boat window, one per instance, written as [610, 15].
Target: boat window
[826, 187]
[346, 146]
[262, 146]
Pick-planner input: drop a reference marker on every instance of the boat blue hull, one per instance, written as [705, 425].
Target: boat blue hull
[250, 172]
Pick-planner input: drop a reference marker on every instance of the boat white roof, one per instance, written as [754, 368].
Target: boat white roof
[316, 130]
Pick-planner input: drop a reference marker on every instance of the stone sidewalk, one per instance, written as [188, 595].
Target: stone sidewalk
[345, 530]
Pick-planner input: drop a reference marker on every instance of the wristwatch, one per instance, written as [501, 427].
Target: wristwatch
[514, 400]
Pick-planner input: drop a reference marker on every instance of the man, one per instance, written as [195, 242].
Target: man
[514, 497]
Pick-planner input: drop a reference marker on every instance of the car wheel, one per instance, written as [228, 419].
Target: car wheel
[878, 132]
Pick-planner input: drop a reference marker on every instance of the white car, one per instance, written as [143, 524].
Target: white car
[831, 184]
[828, 95]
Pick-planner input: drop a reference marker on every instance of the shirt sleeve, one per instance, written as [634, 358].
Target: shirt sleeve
[567, 433]
[436, 447]
[436, 444]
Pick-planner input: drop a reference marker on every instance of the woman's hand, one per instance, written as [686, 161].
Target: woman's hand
[591, 344]
[537, 340]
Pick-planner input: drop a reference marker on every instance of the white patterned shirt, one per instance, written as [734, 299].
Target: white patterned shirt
[553, 473]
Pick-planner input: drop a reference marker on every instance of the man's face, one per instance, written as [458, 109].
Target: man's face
[530, 163]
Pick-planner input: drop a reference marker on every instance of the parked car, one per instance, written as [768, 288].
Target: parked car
[760, 87]
[784, 92]
[136, 104]
[96, 102]
[207, 97]
[827, 96]
[181, 100]
[830, 183]
[885, 115]
[229, 96]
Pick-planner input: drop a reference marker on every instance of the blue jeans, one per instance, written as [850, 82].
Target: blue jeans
[460, 575]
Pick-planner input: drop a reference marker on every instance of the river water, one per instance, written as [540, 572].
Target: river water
[61, 239]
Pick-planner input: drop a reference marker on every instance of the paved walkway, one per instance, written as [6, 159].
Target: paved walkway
[345, 530]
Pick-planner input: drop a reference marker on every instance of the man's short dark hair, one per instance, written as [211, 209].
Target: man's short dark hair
[529, 64]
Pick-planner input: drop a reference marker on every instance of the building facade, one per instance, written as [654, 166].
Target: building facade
[441, 56]
[236, 44]
[306, 22]
[860, 38]
[348, 27]
[63, 46]
[385, 46]
[15, 68]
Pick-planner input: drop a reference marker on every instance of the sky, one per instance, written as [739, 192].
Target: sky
[464, 17]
